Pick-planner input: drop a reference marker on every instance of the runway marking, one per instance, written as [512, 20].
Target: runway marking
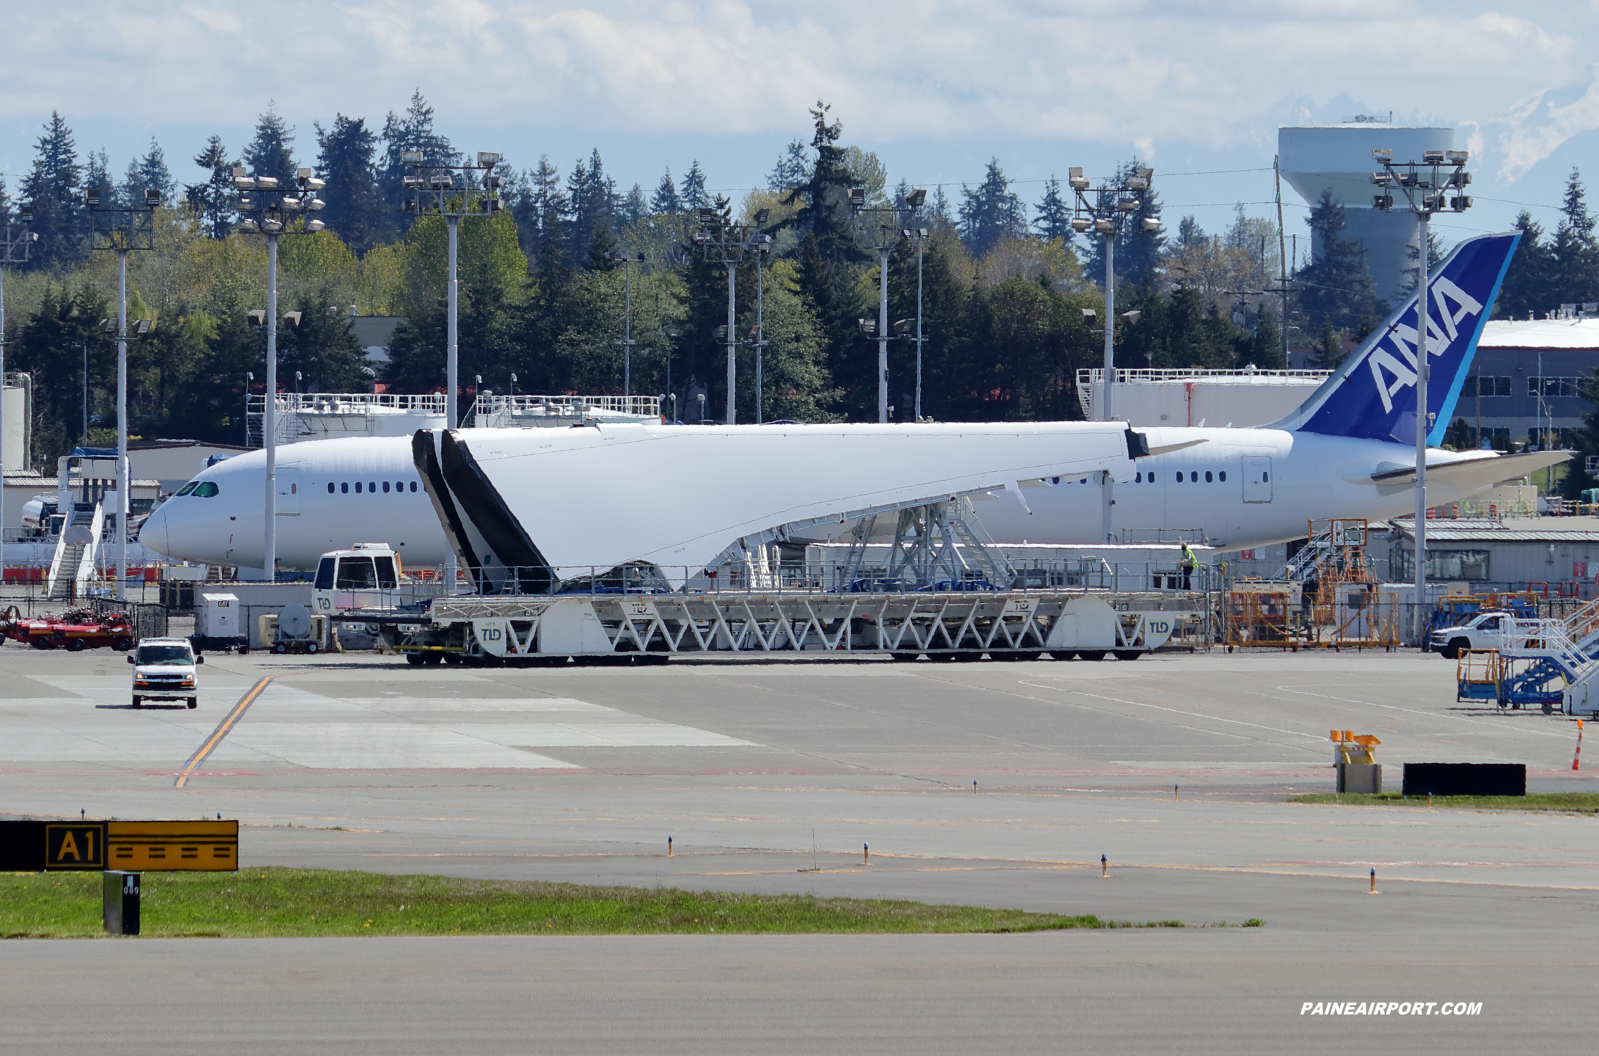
[1180, 711]
[1494, 727]
[220, 732]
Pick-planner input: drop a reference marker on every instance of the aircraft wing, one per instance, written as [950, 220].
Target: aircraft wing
[680, 497]
[1474, 473]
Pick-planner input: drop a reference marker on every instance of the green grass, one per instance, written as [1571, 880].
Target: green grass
[1568, 802]
[308, 902]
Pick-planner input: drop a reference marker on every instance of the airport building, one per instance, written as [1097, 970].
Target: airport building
[1526, 382]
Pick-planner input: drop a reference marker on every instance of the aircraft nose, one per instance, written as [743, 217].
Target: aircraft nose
[153, 533]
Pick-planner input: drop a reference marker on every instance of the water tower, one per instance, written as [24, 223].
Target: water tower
[1337, 158]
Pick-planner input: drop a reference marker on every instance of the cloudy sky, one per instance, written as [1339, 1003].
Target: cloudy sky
[936, 88]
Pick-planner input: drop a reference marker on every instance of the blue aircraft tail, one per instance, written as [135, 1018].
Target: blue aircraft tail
[1372, 394]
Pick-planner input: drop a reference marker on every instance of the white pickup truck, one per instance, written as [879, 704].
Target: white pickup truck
[1486, 630]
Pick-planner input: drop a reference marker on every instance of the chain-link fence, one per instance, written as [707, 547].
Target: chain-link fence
[149, 620]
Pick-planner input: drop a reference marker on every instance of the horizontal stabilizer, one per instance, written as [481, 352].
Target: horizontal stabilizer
[1471, 474]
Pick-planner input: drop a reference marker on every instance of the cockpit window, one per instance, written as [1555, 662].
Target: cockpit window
[190, 486]
[205, 489]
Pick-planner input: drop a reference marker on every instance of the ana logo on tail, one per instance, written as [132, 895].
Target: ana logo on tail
[1373, 393]
[1453, 306]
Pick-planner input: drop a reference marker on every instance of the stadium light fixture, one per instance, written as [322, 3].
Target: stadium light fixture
[1426, 192]
[1117, 205]
[124, 228]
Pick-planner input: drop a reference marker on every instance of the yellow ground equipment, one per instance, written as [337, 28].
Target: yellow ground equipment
[1354, 763]
[1478, 673]
[1350, 747]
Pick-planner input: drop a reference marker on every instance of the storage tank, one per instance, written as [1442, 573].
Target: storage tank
[1337, 158]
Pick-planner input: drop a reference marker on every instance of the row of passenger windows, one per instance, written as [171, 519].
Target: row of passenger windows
[370, 485]
[1193, 477]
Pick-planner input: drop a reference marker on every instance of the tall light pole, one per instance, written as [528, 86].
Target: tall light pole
[1435, 184]
[721, 241]
[763, 245]
[125, 228]
[17, 240]
[882, 236]
[919, 236]
[453, 190]
[268, 210]
[626, 342]
[1114, 203]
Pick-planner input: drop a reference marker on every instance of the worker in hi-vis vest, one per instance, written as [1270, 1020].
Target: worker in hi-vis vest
[1190, 561]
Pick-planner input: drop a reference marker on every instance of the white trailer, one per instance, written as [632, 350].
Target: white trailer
[655, 627]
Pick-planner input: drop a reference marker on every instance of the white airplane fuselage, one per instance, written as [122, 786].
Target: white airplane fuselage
[1239, 488]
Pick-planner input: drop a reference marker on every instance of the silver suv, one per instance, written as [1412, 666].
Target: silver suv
[163, 669]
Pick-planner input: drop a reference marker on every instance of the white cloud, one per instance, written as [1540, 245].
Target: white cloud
[1161, 77]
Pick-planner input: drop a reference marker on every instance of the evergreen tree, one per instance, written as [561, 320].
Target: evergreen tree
[213, 199]
[149, 173]
[1054, 219]
[412, 131]
[665, 200]
[355, 208]
[591, 198]
[97, 176]
[792, 170]
[323, 347]
[271, 152]
[633, 208]
[1335, 288]
[693, 191]
[991, 213]
[54, 186]
[830, 302]
[1528, 289]
[823, 200]
[1266, 348]
[48, 349]
[1576, 257]
[603, 249]
[539, 214]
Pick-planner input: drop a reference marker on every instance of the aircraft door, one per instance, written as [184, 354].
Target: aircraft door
[288, 503]
[1257, 479]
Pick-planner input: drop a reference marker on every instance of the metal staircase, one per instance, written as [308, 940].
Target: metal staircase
[76, 551]
[1553, 662]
